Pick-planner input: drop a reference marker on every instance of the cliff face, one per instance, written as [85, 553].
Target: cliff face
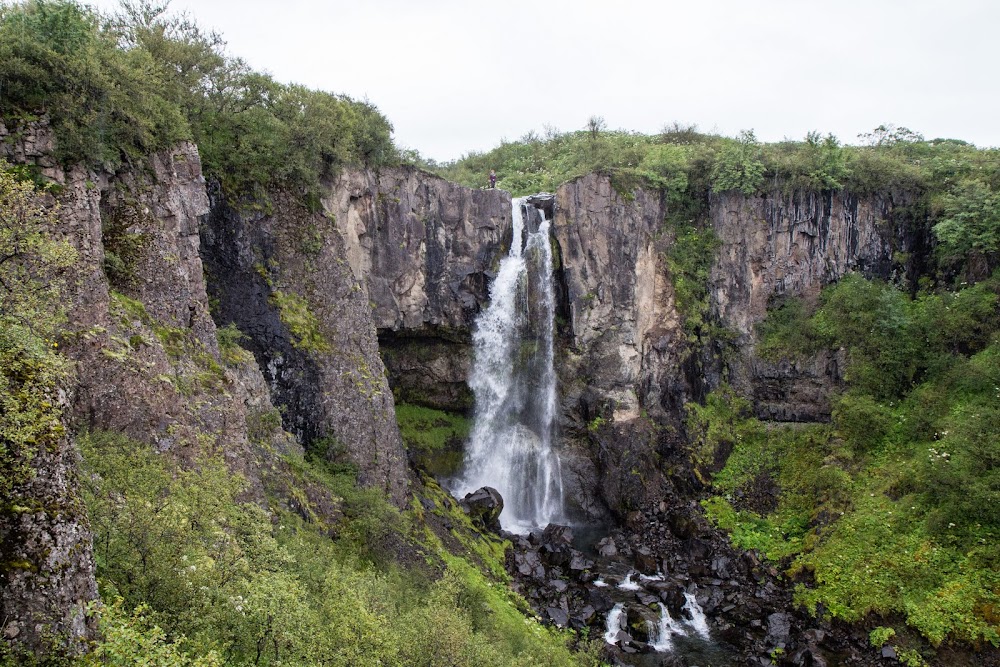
[629, 368]
[283, 278]
[424, 249]
[147, 364]
[625, 339]
[403, 253]
[792, 245]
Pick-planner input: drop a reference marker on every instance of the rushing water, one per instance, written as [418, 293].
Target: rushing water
[667, 634]
[666, 629]
[698, 621]
[514, 383]
[629, 584]
[615, 623]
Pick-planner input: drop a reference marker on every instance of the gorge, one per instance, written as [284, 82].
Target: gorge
[738, 400]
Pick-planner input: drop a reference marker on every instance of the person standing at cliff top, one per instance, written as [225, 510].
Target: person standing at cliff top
[493, 178]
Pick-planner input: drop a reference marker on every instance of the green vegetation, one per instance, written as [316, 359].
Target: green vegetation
[890, 508]
[116, 88]
[434, 438]
[194, 575]
[33, 273]
[949, 184]
[738, 166]
[690, 260]
[303, 324]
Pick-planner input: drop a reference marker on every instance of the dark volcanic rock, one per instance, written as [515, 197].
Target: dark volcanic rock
[484, 507]
[558, 616]
[779, 627]
[606, 548]
[645, 561]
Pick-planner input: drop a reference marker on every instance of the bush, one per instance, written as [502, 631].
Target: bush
[890, 511]
[118, 88]
[738, 166]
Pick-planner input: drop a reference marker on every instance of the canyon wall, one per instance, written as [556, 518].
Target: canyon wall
[146, 364]
[425, 250]
[374, 291]
[792, 244]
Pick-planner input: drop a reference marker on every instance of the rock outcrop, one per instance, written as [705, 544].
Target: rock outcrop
[625, 339]
[284, 279]
[147, 365]
[46, 557]
[423, 247]
[629, 367]
[425, 250]
[779, 245]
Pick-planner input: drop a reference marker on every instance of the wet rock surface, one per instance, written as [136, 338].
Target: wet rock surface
[691, 570]
[484, 507]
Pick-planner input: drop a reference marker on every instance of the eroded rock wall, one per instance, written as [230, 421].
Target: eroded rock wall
[284, 278]
[147, 364]
[629, 366]
[425, 250]
[625, 341]
[792, 244]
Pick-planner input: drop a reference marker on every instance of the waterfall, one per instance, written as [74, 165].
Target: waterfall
[614, 623]
[698, 621]
[629, 584]
[666, 628]
[514, 382]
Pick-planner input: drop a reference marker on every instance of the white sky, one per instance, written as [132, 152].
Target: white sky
[454, 76]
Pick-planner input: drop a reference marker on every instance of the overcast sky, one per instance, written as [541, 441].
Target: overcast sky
[454, 76]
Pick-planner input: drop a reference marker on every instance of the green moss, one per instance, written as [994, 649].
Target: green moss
[434, 438]
[229, 338]
[304, 326]
[690, 260]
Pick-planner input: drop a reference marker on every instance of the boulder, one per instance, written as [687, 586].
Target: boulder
[645, 561]
[558, 616]
[484, 506]
[579, 562]
[600, 600]
[607, 548]
[779, 628]
[556, 534]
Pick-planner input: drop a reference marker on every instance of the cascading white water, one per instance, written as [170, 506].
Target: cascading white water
[614, 623]
[698, 621]
[628, 583]
[666, 628]
[514, 383]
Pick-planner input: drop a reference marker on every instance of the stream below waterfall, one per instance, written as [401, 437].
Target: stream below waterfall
[646, 618]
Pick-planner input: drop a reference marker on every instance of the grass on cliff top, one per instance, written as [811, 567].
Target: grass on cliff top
[890, 509]
[953, 187]
[117, 87]
[194, 574]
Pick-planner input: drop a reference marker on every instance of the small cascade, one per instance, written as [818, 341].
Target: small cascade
[698, 621]
[628, 583]
[666, 629]
[615, 624]
[514, 382]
